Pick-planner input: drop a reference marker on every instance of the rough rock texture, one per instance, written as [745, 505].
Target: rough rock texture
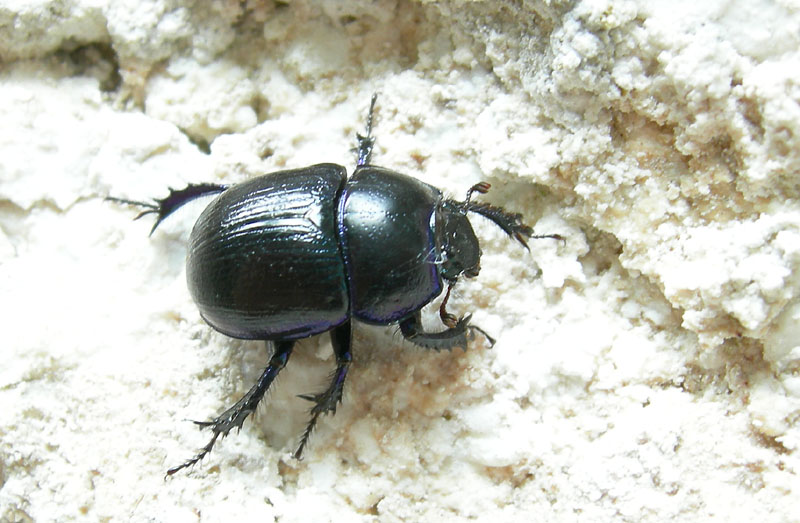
[646, 369]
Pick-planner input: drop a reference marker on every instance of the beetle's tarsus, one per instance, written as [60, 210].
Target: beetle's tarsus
[148, 205]
[326, 402]
[366, 142]
[551, 236]
[177, 198]
[191, 462]
[234, 417]
[489, 339]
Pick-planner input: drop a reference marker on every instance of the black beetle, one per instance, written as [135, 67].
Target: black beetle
[296, 253]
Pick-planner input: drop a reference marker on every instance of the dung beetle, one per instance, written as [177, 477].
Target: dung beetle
[295, 253]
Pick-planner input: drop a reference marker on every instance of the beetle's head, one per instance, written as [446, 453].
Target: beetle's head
[458, 246]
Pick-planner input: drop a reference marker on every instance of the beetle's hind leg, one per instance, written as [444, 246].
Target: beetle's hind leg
[163, 207]
[327, 400]
[235, 416]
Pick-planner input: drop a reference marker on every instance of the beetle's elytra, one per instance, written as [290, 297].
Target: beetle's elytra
[295, 253]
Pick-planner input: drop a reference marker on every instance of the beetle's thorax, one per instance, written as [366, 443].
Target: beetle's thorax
[389, 249]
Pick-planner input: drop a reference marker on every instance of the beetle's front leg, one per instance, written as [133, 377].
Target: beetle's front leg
[235, 416]
[454, 336]
[326, 401]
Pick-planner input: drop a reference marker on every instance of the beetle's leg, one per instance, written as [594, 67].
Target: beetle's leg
[448, 319]
[510, 222]
[455, 336]
[163, 207]
[235, 416]
[327, 401]
[365, 143]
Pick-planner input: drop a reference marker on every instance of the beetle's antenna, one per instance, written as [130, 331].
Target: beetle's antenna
[480, 187]
[365, 143]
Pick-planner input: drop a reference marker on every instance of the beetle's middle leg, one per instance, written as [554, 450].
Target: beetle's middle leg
[326, 401]
[235, 416]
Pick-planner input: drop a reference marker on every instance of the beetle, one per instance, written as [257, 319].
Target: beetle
[296, 253]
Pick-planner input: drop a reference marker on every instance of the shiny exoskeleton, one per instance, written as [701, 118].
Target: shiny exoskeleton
[296, 253]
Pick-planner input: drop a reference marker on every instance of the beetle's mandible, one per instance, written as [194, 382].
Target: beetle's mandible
[296, 253]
